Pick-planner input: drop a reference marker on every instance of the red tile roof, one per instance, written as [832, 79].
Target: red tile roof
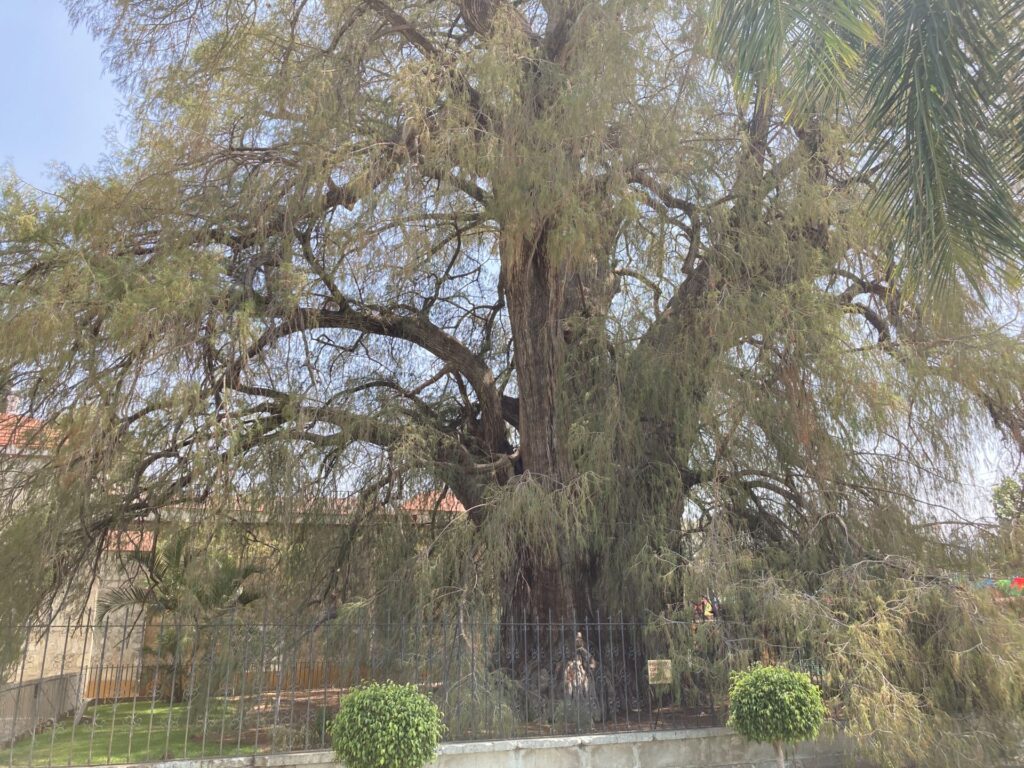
[431, 502]
[18, 431]
[129, 541]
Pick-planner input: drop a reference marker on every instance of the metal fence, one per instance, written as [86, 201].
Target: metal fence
[137, 691]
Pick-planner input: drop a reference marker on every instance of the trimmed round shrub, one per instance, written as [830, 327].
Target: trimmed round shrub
[386, 725]
[775, 705]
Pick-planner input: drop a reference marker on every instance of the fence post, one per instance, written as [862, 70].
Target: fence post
[297, 630]
[36, 693]
[244, 672]
[64, 685]
[326, 666]
[137, 675]
[602, 676]
[625, 670]
[17, 695]
[310, 674]
[156, 684]
[83, 691]
[118, 683]
[525, 661]
[98, 697]
[263, 663]
[196, 649]
[209, 683]
[174, 684]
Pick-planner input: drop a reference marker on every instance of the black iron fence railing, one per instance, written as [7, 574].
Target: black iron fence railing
[142, 689]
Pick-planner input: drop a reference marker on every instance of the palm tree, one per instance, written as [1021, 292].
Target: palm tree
[182, 578]
[184, 590]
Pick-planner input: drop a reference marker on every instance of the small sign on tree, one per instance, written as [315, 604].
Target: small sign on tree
[659, 671]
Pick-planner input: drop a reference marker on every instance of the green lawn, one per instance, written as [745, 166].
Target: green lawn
[110, 733]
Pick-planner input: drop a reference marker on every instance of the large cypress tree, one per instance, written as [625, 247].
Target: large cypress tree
[672, 296]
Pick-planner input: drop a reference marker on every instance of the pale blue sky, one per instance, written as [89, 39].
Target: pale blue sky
[56, 102]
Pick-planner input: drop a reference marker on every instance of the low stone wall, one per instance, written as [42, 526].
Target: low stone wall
[698, 748]
[36, 702]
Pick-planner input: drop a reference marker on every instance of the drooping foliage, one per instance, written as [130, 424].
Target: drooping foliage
[672, 297]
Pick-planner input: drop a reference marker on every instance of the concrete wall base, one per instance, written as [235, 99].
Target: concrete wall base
[697, 748]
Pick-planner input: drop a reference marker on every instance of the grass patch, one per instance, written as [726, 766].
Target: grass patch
[123, 733]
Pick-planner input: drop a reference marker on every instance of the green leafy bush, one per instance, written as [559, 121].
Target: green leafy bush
[386, 725]
[775, 705]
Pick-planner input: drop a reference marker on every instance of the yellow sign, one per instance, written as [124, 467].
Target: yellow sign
[659, 671]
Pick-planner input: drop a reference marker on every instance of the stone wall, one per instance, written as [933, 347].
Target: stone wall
[697, 748]
[39, 702]
[64, 648]
[105, 654]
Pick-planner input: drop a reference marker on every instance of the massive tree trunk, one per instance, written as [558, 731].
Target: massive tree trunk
[534, 289]
[547, 293]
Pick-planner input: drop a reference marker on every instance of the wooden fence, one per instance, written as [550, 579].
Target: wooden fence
[113, 683]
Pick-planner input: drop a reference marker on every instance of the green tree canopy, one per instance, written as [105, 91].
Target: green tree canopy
[1008, 501]
[386, 724]
[598, 268]
[775, 705]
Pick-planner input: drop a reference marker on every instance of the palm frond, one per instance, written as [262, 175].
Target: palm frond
[748, 39]
[1009, 128]
[827, 44]
[805, 51]
[124, 596]
[943, 182]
